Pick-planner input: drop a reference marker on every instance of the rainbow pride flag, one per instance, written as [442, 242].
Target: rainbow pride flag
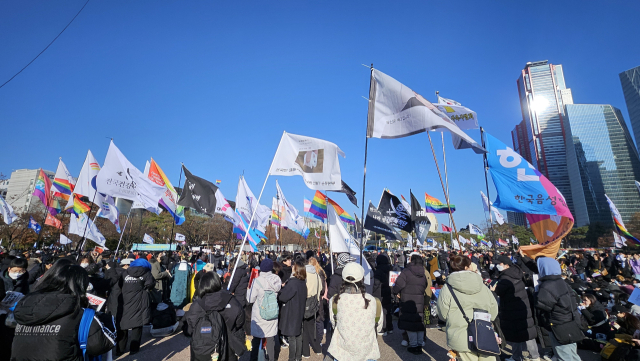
[63, 188]
[275, 218]
[617, 218]
[79, 206]
[433, 205]
[318, 207]
[344, 216]
[42, 190]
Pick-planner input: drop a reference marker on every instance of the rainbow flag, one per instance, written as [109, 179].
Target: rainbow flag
[433, 205]
[42, 190]
[617, 218]
[318, 207]
[485, 243]
[218, 181]
[275, 219]
[63, 182]
[79, 206]
[344, 216]
[169, 199]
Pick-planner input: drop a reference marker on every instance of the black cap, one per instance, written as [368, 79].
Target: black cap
[620, 309]
[502, 259]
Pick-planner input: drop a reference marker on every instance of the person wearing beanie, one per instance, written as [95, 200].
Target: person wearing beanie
[261, 328]
[336, 278]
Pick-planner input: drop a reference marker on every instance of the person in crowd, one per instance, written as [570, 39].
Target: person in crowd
[516, 318]
[382, 291]
[261, 328]
[315, 290]
[557, 310]
[16, 277]
[285, 272]
[596, 316]
[202, 259]
[179, 294]
[136, 309]
[472, 294]
[352, 312]
[320, 319]
[48, 320]
[635, 265]
[410, 286]
[293, 296]
[580, 265]
[211, 297]
[161, 276]
[335, 281]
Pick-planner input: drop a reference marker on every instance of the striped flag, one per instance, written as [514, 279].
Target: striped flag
[617, 218]
[433, 205]
[318, 207]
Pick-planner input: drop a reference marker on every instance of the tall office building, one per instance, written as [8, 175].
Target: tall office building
[630, 80]
[601, 159]
[540, 137]
[20, 189]
[517, 218]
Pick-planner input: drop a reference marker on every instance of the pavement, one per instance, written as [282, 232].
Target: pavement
[176, 348]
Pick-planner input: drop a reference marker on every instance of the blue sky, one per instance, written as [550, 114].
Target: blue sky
[213, 84]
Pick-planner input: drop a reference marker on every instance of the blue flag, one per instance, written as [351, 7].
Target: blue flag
[34, 225]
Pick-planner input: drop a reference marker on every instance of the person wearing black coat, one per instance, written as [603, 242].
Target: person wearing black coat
[411, 285]
[114, 303]
[382, 290]
[285, 272]
[239, 283]
[16, 276]
[516, 319]
[293, 297]
[556, 307]
[212, 297]
[136, 309]
[596, 316]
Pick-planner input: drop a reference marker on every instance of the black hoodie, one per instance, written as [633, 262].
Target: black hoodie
[48, 329]
[231, 311]
[136, 310]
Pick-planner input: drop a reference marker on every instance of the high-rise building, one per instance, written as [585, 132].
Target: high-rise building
[630, 80]
[540, 137]
[20, 189]
[601, 159]
[517, 218]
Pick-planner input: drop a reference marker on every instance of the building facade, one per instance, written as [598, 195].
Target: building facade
[630, 81]
[601, 159]
[540, 136]
[20, 189]
[517, 218]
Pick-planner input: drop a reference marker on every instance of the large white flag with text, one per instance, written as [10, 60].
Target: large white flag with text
[341, 241]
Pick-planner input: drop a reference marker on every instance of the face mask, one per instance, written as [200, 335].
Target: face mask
[15, 275]
[491, 266]
[84, 265]
[500, 267]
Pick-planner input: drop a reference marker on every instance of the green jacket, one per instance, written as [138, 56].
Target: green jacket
[471, 293]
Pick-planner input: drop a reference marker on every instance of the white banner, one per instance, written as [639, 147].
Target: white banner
[316, 160]
[64, 239]
[180, 237]
[464, 117]
[78, 226]
[7, 211]
[109, 210]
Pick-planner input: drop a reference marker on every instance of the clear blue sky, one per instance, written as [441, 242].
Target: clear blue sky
[214, 83]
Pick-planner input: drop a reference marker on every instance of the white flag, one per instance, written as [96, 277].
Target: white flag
[64, 239]
[455, 244]
[409, 241]
[485, 203]
[180, 237]
[109, 210]
[7, 211]
[62, 180]
[341, 241]
[223, 207]
[147, 239]
[78, 225]
[246, 203]
[119, 178]
[618, 240]
[464, 117]
[515, 240]
[498, 215]
[151, 207]
[473, 229]
[398, 111]
[316, 160]
[86, 181]
[290, 214]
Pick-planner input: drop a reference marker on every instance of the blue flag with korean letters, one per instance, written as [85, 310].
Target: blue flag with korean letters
[522, 188]
[34, 225]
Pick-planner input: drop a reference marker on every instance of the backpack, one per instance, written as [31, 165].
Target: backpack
[209, 335]
[617, 348]
[164, 315]
[269, 304]
[83, 333]
[312, 304]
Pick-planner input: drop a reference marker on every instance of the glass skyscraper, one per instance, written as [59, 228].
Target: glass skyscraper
[630, 81]
[540, 137]
[601, 159]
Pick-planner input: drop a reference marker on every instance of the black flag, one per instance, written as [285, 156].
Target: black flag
[419, 218]
[349, 192]
[376, 222]
[198, 193]
[395, 212]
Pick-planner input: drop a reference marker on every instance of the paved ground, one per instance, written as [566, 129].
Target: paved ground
[176, 348]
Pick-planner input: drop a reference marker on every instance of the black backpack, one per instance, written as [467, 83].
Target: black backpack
[210, 335]
[164, 318]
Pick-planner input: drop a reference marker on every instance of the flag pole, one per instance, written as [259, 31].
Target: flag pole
[366, 148]
[174, 220]
[446, 194]
[253, 213]
[486, 180]
[327, 235]
[123, 230]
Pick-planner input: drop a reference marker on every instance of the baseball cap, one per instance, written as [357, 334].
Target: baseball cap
[503, 259]
[354, 271]
[126, 261]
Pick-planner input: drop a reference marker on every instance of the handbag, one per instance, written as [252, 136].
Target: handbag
[482, 337]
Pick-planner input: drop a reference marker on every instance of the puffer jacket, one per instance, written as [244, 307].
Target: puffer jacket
[18, 285]
[136, 311]
[381, 288]
[48, 329]
[471, 293]
[239, 283]
[259, 326]
[411, 285]
[516, 319]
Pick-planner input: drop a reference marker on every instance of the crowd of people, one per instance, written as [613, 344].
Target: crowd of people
[72, 306]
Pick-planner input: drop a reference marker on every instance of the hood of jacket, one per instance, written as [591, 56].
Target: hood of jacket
[142, 263]
[217, 301]
[512, 272]
[310, 269]
[548, 267]
[269, 281]
[42, 308]
[466, 282]
[382, 260]
[137, 271]
[416, 269]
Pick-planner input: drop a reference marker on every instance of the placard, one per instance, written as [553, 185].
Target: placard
[393, 276]
[96, 301]
[635, 296]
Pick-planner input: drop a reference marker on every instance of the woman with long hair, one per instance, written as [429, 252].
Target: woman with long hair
[293, 297]
[49, 319]
[353, 313]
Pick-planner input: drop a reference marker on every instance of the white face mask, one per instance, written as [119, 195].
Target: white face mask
[84, 265]
[15, 275]
[500, 267]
